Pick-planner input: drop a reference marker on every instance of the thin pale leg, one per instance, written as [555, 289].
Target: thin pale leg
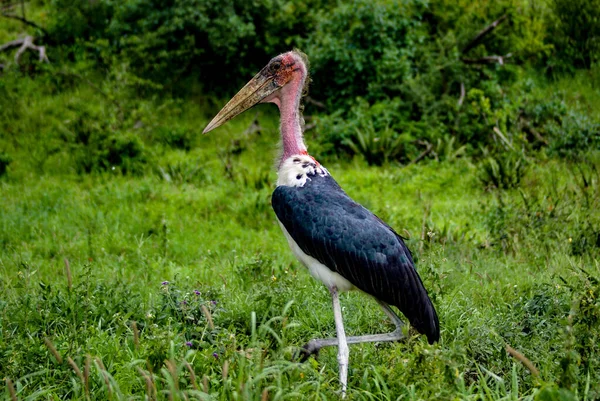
[315, 345]
[343, 350]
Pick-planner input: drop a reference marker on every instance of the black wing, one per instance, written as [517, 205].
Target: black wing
[350, 240]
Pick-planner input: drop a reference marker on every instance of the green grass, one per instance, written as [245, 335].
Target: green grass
[517, 267]
[173, 281]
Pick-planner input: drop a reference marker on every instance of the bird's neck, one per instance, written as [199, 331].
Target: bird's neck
[291, 118]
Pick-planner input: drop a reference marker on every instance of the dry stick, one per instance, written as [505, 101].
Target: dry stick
[12, 43]
[265, 395]
[462, 94]
[422, 155]
[11, 389]
[53, 350]
[315, 102]
[25, 43]
[477, 39]
[487, 59]
[68, 273]
[501, 135]
[533, 131]
[26, 22]
[523, 359]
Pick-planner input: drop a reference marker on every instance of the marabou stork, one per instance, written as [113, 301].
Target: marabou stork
[340, 242]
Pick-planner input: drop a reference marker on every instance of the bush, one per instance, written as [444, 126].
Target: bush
[219, 43]
[5, 160]
[503, 171]
[574, 30]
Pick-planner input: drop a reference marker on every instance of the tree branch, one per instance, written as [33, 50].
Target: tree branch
[477, 39]
[487, 59]
[422, 155]
[25, 43]
[26, 22]
[462, 94]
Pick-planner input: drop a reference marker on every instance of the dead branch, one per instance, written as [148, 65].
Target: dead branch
[497, 131]
[422, 155]
[485, 31]
[533, 131]
[26, 22]
[487, 59]
[24, 44]
[462, 94]
[315, 102]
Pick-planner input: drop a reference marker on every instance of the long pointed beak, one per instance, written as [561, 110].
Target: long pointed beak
[252, 93]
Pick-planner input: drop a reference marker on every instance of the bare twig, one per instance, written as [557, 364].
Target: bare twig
[462, 94]
[25, 43]
[26, 22]
[68, 273]
[422, 155]
[12, 43]
[533, 131]
[487, 59]
[477, 39]
[315, 102]
[502, 137]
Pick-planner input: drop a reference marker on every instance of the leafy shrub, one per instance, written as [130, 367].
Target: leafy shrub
[574, 30]
[576, 133]
[376, 147]
[109, 151]
[503, 171]
[5, 160]
[166, 42]
[362, 48]
[376, 131]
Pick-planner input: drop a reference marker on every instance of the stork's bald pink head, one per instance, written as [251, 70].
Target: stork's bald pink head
[282, 75]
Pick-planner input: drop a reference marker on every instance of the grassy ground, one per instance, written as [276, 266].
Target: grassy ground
[173, 281]
[151, 256]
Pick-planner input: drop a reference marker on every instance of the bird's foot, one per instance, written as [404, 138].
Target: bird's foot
[311, 348]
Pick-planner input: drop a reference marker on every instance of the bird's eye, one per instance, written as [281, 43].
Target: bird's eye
[275, 66]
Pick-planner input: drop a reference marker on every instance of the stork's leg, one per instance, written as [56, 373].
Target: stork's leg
[314, 346]
[343, 351]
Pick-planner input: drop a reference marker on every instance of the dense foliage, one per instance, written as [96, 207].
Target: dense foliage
[139, 258]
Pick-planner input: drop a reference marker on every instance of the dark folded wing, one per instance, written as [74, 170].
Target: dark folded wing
[350, 240]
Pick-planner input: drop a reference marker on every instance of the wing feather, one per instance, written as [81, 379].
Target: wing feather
[350, 240]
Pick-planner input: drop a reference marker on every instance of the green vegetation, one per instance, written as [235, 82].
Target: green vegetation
[142, 260]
